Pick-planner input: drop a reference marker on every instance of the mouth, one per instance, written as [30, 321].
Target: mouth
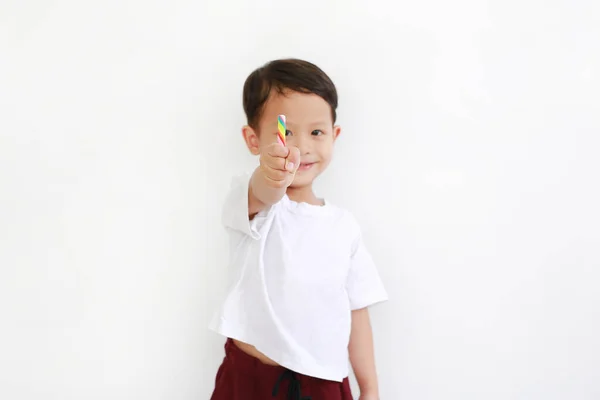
[306, 166]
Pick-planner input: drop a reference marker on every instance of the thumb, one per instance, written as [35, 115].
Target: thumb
[293, 159]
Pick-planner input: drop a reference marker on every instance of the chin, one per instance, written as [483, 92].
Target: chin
[299, 185]
[302, 181]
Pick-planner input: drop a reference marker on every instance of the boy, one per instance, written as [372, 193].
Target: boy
[297, 309]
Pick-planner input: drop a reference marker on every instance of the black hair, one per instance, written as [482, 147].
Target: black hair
[282, 75]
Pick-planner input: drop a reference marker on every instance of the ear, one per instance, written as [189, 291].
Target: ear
[336, 131]
[251, 139]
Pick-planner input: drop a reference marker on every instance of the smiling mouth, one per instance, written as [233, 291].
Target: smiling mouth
[306, 166]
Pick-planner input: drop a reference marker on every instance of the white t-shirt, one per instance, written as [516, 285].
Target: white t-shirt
[298, 270]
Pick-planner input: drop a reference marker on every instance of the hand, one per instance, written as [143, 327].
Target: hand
[278, 164]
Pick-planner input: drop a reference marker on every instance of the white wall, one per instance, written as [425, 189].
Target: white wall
[469, 155]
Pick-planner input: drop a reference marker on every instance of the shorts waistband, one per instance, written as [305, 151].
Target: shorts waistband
[280, 381]
[250, 364]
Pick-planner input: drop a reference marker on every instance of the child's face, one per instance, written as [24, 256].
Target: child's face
[310, 129]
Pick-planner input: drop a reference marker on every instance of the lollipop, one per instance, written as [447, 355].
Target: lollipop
[281, 129]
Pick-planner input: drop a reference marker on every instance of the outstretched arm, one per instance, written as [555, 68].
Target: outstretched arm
[270, 180]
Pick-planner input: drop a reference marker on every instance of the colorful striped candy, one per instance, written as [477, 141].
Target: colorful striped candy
[281, 129]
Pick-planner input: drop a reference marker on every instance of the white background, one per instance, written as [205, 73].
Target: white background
[469, 155]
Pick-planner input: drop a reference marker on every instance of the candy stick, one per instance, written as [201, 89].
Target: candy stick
[281, 129]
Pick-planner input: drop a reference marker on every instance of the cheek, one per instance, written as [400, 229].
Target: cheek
[263, 144]
[326, 151]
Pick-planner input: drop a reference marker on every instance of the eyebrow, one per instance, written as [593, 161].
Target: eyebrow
[312, 123]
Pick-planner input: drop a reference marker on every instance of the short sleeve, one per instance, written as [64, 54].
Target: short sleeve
[364, 286]
[235, 208]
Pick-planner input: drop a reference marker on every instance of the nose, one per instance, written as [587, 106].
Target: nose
[303, 143]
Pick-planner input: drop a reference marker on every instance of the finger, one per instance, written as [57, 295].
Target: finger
[274, 162]
[275, 183]
[277, 150]
[272, 174]
[293, 159]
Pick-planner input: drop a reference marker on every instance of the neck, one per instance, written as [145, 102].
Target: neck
[304, 194]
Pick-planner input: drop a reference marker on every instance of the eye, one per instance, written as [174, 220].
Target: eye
[317, 132]
[288, 132]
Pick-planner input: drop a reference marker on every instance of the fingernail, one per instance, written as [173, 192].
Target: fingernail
[290, 166]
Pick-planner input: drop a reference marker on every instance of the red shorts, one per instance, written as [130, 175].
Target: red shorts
[243, 377]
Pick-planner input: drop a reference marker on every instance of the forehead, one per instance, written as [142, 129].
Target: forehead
[299, 109]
